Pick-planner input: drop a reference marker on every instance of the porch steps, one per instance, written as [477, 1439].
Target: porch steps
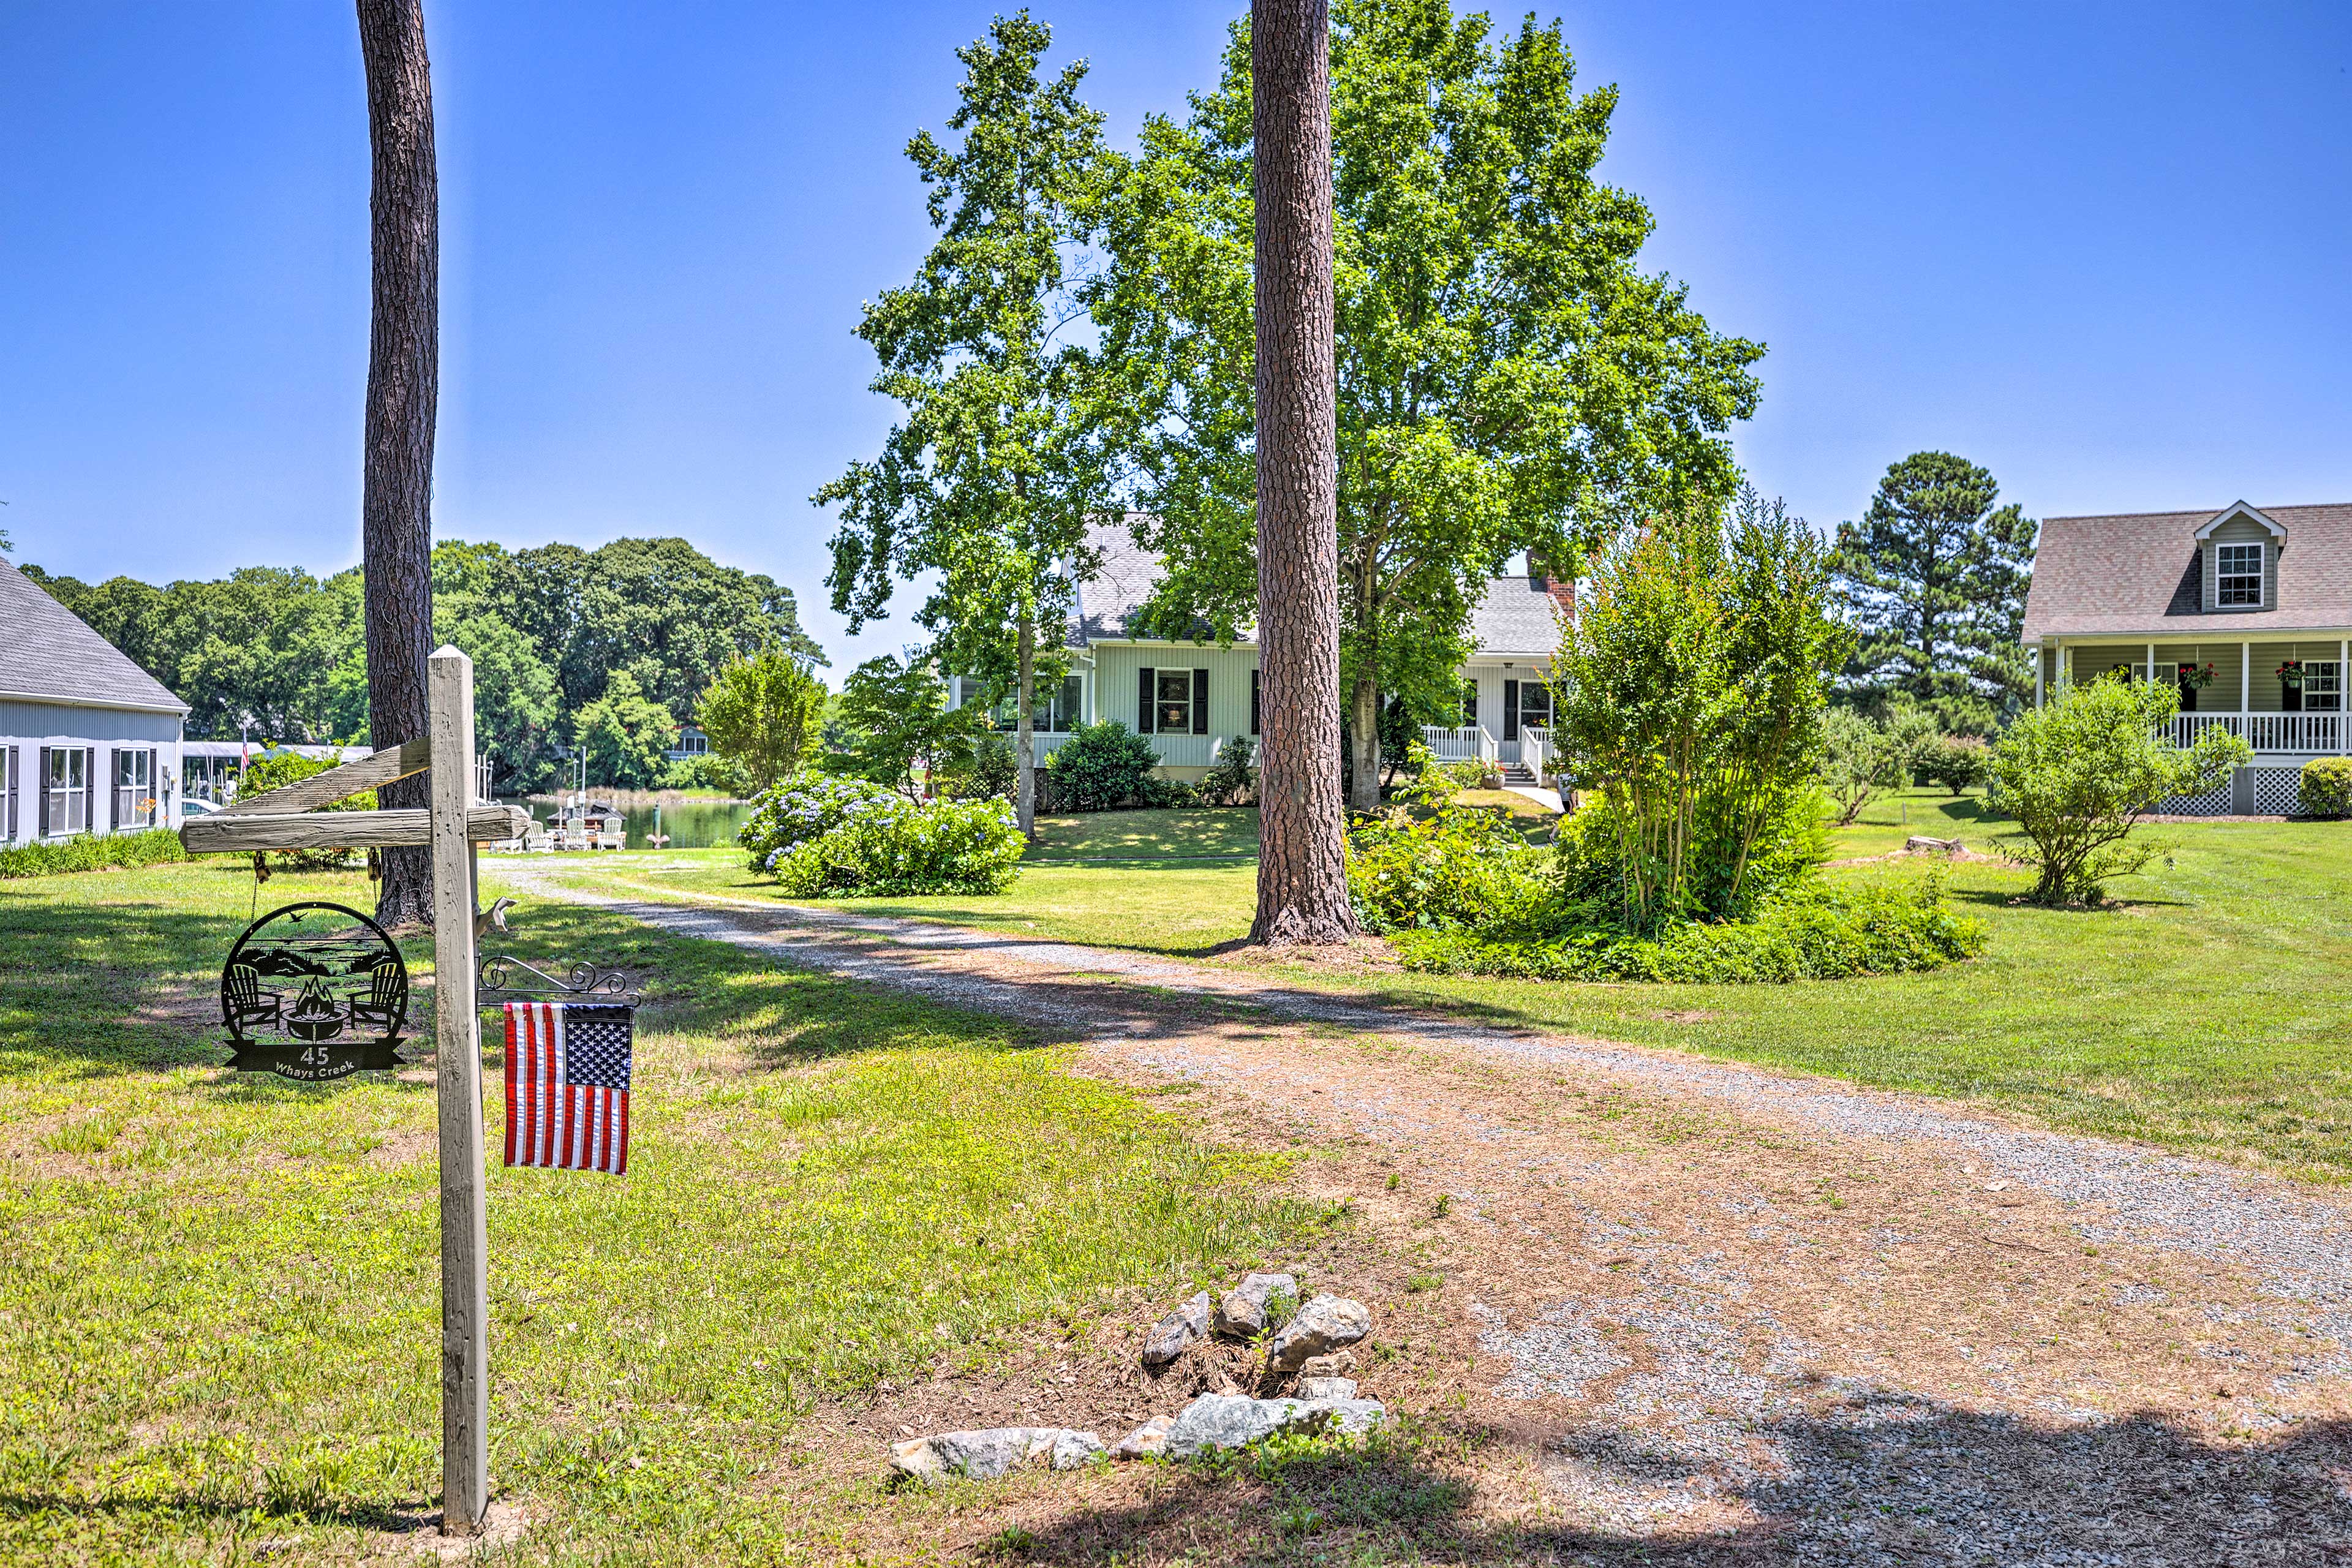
[1519, 774]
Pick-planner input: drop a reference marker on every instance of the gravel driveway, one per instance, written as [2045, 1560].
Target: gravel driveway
[1733, 1316]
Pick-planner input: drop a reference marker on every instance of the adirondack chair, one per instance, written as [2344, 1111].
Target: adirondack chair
[387, 996]
[247, 1003]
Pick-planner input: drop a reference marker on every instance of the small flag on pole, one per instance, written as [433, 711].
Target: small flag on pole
[567, 1086]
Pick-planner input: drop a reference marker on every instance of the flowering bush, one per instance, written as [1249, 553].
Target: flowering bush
[818, 835]
[805, 807]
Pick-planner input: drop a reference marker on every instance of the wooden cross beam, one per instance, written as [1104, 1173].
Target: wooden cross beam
[371, 771]
[226, 832]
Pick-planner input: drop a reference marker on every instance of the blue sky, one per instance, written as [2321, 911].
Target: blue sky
[2106, 250]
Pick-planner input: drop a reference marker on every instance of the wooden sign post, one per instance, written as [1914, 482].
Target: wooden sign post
[452, 826]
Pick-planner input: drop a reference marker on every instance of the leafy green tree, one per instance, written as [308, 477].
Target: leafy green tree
[2078, 773]
[1935, 577]
[1509, 379]
[893, 718]
[1859, 759]
[625, 733]
[761, 714]
[992, 476]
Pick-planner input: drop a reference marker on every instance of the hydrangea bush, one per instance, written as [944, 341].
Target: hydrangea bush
[817, 834]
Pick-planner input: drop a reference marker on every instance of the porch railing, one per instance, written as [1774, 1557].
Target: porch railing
[1463, 744]
[1535, 750]
[2266, 732]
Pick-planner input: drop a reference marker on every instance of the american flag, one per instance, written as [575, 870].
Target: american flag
[567, 1086]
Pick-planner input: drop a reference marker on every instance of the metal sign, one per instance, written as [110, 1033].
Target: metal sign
[312, 992]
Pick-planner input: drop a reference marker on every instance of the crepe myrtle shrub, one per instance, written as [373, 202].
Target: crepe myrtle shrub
[1101, 767]
[2327, 787]
[892, 846]
[2079, 772]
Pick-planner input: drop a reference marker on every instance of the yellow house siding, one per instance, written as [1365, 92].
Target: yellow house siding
[2239, 530]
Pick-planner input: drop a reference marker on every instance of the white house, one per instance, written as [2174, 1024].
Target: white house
[1190, 698]
[90, 743]
[2246, 611]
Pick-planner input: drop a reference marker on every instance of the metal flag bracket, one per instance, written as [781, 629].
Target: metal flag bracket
[506, 978]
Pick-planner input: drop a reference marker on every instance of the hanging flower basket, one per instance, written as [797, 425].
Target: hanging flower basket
[2196, 676]
[2290, 674]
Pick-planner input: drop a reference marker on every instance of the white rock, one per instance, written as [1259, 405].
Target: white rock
[991, 1452]
[1224, 1421]
[1329, 1388]
[1145, 1440]
[1339, 1363]
[1243, 1314]
[1322, 1326]
[1173, 1334]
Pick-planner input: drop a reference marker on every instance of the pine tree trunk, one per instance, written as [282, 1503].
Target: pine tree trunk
[1302, 888]
[1364, 739]
[403, 388]
[1024, 731]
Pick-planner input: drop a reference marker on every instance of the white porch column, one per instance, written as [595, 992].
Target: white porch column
[2245, 678]
[2343, 679]
[2037, 675]
[2151, 664]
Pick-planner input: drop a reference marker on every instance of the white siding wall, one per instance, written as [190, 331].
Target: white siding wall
[27, 727]
[1117, 669]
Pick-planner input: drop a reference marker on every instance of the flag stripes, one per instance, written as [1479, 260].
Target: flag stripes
[567, 1079]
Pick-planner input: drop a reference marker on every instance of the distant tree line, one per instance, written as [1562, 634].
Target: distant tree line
[610, 647]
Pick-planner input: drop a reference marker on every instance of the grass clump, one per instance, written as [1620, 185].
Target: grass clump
[91, 852]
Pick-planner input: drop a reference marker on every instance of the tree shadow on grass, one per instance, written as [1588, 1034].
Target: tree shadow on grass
[1875, 1478]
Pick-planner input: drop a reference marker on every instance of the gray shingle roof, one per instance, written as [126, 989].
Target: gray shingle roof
[48, 654]
[1513, 616]
[2137, 573]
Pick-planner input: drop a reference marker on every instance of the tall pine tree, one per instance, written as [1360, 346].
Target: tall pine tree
[1935, 579]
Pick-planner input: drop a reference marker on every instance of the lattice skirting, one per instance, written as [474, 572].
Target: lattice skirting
[2278, 791]
[2212, 803]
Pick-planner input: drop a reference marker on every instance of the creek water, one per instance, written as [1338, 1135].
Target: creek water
[690, 825]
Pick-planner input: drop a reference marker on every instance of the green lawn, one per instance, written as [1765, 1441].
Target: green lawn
[2204, 1012]
[218, 1302]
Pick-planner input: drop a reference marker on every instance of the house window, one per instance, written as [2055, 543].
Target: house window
[66, 793]
[1255, 714]
[135, 789]
[1063, 710]
[1535, 705]
[1469, 704]
[2238, 576]
[1171, 711]
[2323, 687]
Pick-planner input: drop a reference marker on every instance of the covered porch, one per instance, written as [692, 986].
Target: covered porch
[2285, 697]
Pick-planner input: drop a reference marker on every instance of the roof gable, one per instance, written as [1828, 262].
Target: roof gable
[2236, 511]
[2139, 573]
[48, 654]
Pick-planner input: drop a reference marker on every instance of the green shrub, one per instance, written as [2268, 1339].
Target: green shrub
[1958, 762]
[1234, 781]
[1815, 933]
[2326, 787]
[1458, 869]
[806, 806]
[274, 768]
[1101, 767]
[91, 852]
[2079, 772]
[708, 771]
[891, 846]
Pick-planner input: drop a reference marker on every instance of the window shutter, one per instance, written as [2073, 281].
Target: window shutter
[1147, 699]
[41, 815]
[113, 794]
[1200, 702]
[1253, 702]
[1510, 710]
[12, 759]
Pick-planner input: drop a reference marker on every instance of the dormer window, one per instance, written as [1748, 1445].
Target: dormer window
[2238, 576]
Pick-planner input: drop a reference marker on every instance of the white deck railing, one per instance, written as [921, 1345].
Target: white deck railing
[2303, 733]
[1463, 744]
[1536, 751]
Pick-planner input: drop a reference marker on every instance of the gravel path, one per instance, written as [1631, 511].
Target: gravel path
[1761, 1318]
